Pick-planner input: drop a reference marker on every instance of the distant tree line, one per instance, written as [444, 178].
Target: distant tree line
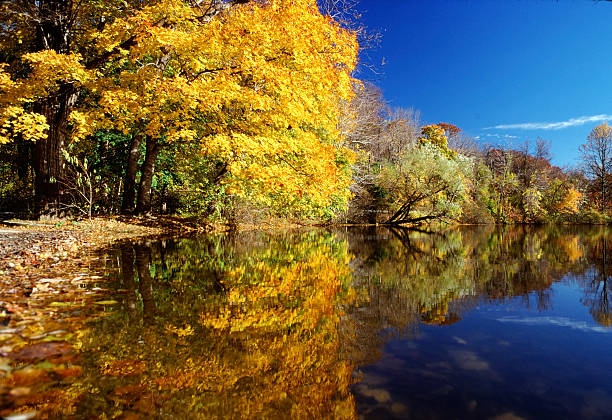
[413, 173]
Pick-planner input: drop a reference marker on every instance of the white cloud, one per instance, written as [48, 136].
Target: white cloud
[558, 321]
[501, 136]
[559, 125]
[469, 360]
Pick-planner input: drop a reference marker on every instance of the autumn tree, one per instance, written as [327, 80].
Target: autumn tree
[258, 87]
[597, 158]
[35, 40]
[436, 134]
[257, 84]
[425, 185]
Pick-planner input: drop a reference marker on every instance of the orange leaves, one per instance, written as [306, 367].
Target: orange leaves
[126, 367]
[449, 129]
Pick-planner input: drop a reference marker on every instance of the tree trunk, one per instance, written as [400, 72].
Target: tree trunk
[129, 182]
[48, 158]
[24, 157]
[146, 178]
[127, 274]
[603, 193]
[52, 32]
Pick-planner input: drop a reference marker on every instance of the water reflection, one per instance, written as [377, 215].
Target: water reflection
[596, 282]
[415, 277]
[373, 322]
[482, 323]
[224, 327]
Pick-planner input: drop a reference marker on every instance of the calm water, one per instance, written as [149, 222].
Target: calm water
[472, 323]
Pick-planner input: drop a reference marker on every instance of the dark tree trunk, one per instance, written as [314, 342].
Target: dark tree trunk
[24, 157]
[147, 171]
[129, 182]
[127, 274]
[603, 193]
[53, 31]
[48, 159]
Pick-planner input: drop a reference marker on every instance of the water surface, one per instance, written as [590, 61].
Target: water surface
[374, 323]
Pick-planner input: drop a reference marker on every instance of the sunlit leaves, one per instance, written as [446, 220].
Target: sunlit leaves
[425, 184]
[48, 72]
[258, 86]
[435, 134]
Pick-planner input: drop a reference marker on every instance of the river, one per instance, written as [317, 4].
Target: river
[475, 322]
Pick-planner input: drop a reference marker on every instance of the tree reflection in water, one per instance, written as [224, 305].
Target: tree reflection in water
[225, 327]
[274, 325]
[596, 281]
[406, 278]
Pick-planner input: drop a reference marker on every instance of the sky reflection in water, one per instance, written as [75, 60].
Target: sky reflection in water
[529, 333]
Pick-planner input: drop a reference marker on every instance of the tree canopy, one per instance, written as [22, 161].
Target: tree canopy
[257, 85]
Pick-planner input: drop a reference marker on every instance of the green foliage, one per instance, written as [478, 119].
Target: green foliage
[479, 204]
[425, 184]
[16, 178]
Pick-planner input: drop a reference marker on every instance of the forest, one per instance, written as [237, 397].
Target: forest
[237, 111]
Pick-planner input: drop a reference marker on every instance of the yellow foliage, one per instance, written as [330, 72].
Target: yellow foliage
[274, 333]
[435, 134]
[258, 86]
[49, 70]
[571, 201]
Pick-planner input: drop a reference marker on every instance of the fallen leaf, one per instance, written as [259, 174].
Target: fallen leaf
[41, 351]
[60, 304]
[19, 391]
[67, 372]
[28, 377]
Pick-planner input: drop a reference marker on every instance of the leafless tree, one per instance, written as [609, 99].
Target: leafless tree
[348, 15]
[464, 144]
[401, 132]
[597, 158]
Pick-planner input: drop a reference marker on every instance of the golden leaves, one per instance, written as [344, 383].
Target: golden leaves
[185, 331]
[126, 367]
[15, 121]
[257, 86]
[49, 70]
[50, 67]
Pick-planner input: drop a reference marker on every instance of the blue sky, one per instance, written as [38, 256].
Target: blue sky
[503, 71]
